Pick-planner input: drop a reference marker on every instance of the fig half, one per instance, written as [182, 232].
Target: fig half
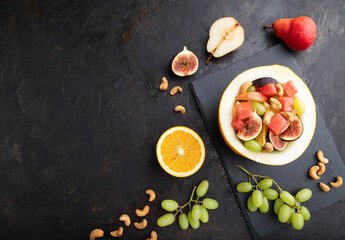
[252, 129]
[294, 130]
[264, 81]
[277, 143]
[185, 63]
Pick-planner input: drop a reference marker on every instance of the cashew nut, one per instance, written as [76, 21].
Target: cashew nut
[142, 213]
[321, 158]
[337, 183]
[152, 195]
[268, 147]
[180, 108]
[245, 87]
[164, 84]
[267, 105]
[276, 105]
[117, 233]
[141, 225]
[153, 236]
[267, 117]
[289, 116]
[175, 90]
[324, 187]
[125, 218]
[280, 89]
[96, 233]
[322, 168]
[312, 172]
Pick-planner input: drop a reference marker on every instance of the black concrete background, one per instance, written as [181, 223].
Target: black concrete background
[81, 111]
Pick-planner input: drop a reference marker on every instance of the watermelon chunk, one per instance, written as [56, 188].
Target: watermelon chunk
[256, 96]
[237, 124]
[278, 124]
[269, 90]
[287, 103]
[243, 110]
[290, 88]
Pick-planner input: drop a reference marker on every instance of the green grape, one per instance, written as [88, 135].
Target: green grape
[298, 104]
[250, 205]
[305, 213]
[195, 224]
[260, 107]
[292, 211]
[169, 205]
[284, 213]
[243, 187]
[251, 89]
[210, 203]
[297, 204]
[271, 194]
[166, 220]
[183, 221]
[253, 146]
[265, 183]
[202, 188]
[297, 221]
[204, 215]
[257, 198]
[303, 195]
[196, 212]
[277, 204]
[264, 207]
[287, 198]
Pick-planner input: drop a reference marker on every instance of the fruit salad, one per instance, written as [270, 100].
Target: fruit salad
[266, 115]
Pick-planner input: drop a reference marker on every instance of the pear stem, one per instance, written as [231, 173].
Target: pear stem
[270, 27]
[208, 59]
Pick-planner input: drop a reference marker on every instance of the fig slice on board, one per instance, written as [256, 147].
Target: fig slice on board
[252, 129]
[185, 63]
[294, 131]
[277, 143]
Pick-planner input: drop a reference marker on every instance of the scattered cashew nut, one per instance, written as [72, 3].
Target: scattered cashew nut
[180, 108]
[280, 89]
[276, 105]
[312, 172]
[267, 117]
[324, 187]
[164, 84]
[321, 158]
[96, 233]
[322, 168]
[268, 147]
[152, 195]
[153, 236]
[175, 90]
[144, 212]
[117, 233]
[125, 218]
[337, 183]
[141, 225]
[289, 116]
[245, 87]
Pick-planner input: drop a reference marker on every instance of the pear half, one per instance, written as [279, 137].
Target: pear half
[226, 35]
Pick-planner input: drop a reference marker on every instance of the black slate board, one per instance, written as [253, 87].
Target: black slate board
[292, 177]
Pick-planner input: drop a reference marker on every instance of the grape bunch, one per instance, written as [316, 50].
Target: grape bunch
[197, 209]
[286, 206]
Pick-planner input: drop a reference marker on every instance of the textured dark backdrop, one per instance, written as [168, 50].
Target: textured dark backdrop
[81, 111]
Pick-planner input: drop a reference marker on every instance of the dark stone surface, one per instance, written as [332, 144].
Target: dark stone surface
[81, 111]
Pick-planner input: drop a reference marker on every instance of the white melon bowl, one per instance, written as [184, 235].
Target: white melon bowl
[294, 149]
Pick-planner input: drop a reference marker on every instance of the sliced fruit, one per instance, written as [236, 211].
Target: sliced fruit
[286, 103]
[290, 88]
[237, 124]
[278, 124]
[261, 138]
[269, 90]
[180, 151]
[226, 35]
[277, 143]
[256, 96]
[264, 81]
[244, 110]
[294, 131]
[252, 129]
[185, 63]
[298, 105]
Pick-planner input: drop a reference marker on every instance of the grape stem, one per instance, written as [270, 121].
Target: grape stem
[259, 176]
[179, 209]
